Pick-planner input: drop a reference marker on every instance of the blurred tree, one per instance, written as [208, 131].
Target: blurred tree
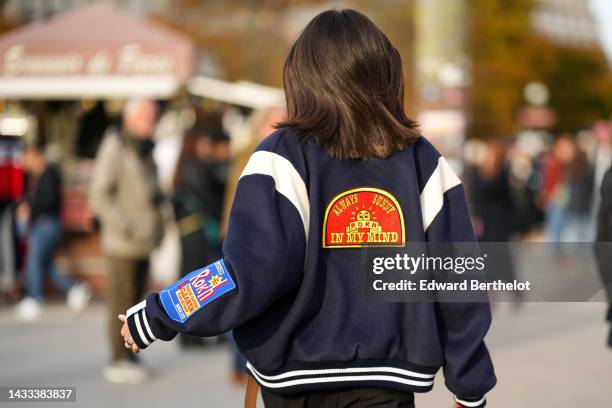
[250, 39]
[581, 87]
[505, 55]
[6, 21]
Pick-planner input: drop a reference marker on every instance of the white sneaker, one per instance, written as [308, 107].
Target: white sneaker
[78, 297]
[28, 309]
[126, 372]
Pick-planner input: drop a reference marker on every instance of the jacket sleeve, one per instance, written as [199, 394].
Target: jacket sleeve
[264, 255]
[468, 369]
[603, 244]
[604, 224]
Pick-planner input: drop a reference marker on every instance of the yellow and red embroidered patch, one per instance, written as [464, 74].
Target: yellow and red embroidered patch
[187, 299]
[363, 217]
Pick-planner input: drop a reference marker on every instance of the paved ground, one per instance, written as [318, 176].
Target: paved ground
[546, 355]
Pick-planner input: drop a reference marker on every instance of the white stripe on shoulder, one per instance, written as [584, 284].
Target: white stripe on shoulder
[432, 197]
[470, 404]
[136, 308]
[288, 181]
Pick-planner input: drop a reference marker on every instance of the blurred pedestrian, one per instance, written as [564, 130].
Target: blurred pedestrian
[581, 180]
[11, 193]
[491, 198]
[554, 195]
[126, 197]
[602, 157]
[494, 210]
[41, 210]
[603, 246]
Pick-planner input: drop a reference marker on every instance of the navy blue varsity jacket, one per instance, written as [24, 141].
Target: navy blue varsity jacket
[289, 288]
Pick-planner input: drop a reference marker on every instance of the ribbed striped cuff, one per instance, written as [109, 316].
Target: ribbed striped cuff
[138, 324]
[479, 402]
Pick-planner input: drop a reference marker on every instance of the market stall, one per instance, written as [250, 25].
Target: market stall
[96, 52]
[67, 76]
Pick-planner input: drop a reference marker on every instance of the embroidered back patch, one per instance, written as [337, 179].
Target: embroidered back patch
[196, 290]
[363, 217]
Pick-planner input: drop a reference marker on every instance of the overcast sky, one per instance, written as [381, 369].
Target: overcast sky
[603, 11]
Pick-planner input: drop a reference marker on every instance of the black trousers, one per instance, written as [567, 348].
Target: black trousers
[353, 398]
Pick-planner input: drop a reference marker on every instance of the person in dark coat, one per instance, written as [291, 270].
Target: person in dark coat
[581, 180]
[491, 196]
[493, 209]
[603, 245]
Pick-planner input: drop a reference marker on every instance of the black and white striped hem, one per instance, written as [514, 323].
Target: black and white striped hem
[300, 380]
[139, 325]
[471, 402]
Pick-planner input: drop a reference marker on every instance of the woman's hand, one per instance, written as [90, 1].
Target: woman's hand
[127, 337]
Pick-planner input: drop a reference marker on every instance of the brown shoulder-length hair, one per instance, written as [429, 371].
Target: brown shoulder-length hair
[345, 89]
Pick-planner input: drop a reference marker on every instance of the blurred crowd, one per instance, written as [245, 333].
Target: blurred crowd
[168, 171]
[538, 186]
[161, 172]
[543, 188]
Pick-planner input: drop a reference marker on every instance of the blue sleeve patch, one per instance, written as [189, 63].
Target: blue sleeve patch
[186, 296]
